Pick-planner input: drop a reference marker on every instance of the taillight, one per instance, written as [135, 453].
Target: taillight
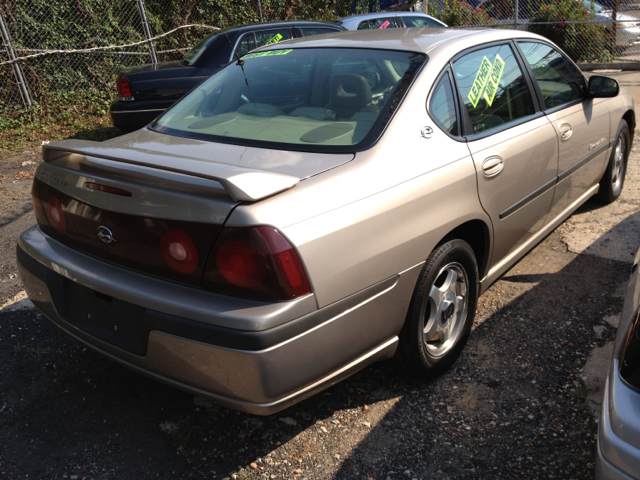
[124, 89]
[179, 252]
[55, 214]
[38, 210]
[255, 262]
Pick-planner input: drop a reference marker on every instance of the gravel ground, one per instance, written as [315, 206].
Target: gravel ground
[513, 406]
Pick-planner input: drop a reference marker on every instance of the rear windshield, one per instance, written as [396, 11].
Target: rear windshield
[193, 54]
[318, 99]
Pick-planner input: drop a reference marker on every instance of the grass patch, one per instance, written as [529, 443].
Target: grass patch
[56, 116]
[39, 350]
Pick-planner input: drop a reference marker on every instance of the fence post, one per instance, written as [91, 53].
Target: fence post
[260, 10]
[17, 69]
[147, 31]
[515, 13]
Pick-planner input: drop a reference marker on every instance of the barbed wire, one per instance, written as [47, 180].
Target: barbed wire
[110, 47]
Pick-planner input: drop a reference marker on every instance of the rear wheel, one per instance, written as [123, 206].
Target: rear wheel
[441, 312]
[613, 178]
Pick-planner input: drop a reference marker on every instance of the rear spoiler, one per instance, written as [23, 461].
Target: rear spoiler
[241, 184]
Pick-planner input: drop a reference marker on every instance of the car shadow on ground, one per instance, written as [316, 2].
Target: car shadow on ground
[512, 406]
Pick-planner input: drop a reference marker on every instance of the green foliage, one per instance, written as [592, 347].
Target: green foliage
[456, 13]
[582, 42]
[57, 115]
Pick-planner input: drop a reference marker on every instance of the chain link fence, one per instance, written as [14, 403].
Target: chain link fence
[586, 30]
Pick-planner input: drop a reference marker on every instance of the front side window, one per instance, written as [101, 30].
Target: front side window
[420, 22]
[443, 108]
[558, 80]
[492, 87]
[315, 99]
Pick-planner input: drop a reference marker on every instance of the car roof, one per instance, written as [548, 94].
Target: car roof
[423, 39]
[368, 16]
[301, 23]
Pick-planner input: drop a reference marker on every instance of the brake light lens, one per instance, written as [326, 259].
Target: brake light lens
[179, 252]
[38, 210]
[124, 89]
[55, 214]
[257, 263]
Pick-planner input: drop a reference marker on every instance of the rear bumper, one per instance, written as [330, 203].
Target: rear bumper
[288, 353]
[135, 115]
[616, 459]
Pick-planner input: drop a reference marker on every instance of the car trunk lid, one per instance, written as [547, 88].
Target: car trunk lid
[153, 203]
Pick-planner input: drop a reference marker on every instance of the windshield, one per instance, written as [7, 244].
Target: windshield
[193, 54]
[318, 99]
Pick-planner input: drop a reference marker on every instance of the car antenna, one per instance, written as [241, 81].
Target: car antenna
[241, 64]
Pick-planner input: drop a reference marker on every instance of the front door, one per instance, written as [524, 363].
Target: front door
[581, 124]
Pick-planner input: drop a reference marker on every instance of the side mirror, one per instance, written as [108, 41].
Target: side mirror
[603, 87]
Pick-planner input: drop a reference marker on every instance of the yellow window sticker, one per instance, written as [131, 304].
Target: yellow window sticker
[269, 53]
[481, 80]
[494, 80]
[275, 39]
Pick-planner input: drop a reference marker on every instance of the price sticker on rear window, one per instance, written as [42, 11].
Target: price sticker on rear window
[275, 39]
[385, 24]
[270, 53]
[479, 83]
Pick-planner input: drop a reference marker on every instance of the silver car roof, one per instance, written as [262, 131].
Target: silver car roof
[369, 16]
[408, 39]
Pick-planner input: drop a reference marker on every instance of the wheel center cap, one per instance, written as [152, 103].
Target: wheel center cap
[447, 307]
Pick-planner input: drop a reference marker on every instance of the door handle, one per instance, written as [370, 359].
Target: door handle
[492, 166]
[565, 131]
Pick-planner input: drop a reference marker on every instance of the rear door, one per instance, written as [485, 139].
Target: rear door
[513, 145]
[581, 124]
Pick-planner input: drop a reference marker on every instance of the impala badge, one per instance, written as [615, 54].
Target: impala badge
[105, 235]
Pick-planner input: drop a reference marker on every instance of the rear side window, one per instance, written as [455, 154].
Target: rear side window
[253, 40]
[558, 80]
[378, 23]
[308, 32]
[269, 37]
[420, 22]
[246, 44]
[492, 87]
[443, 108]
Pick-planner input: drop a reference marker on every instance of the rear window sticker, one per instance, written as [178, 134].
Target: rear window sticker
[385, 24]
[275, 39]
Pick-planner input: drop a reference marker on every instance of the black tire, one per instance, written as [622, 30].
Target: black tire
[422, 356]
[613, 179]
